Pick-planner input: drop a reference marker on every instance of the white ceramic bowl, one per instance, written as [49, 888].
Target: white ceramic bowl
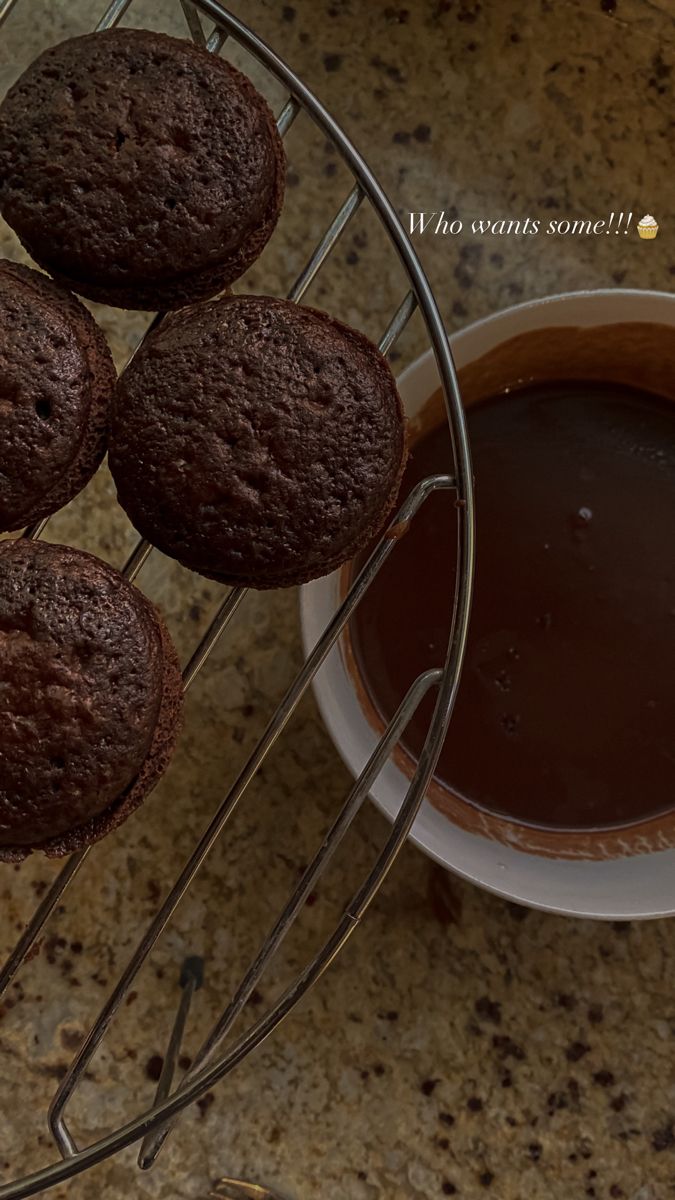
[636, 887]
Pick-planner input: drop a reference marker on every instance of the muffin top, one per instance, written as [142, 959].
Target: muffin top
[138, 168]
[81, 676]
[256, 441]
[56, 382]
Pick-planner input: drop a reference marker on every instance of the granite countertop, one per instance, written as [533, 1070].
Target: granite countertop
[461, 1045]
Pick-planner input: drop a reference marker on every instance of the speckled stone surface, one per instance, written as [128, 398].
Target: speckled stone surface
[461, 1046]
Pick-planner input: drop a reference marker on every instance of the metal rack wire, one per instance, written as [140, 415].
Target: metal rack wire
[153, 1126]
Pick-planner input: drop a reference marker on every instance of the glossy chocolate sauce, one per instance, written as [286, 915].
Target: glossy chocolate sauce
[566, 711]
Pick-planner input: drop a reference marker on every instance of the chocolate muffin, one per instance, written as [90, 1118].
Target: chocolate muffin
[139, 169]
[258, 442]
[56, 383]
[90, 699]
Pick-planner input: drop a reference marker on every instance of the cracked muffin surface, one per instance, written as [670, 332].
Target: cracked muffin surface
[89, 698]
[257, 441]
[139, 169]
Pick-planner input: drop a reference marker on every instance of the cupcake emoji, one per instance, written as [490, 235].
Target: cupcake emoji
[648, 227]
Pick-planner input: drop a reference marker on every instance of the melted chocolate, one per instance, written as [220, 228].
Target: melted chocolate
[564, 717]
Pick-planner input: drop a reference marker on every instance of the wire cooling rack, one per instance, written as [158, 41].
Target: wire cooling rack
[153, 1126]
